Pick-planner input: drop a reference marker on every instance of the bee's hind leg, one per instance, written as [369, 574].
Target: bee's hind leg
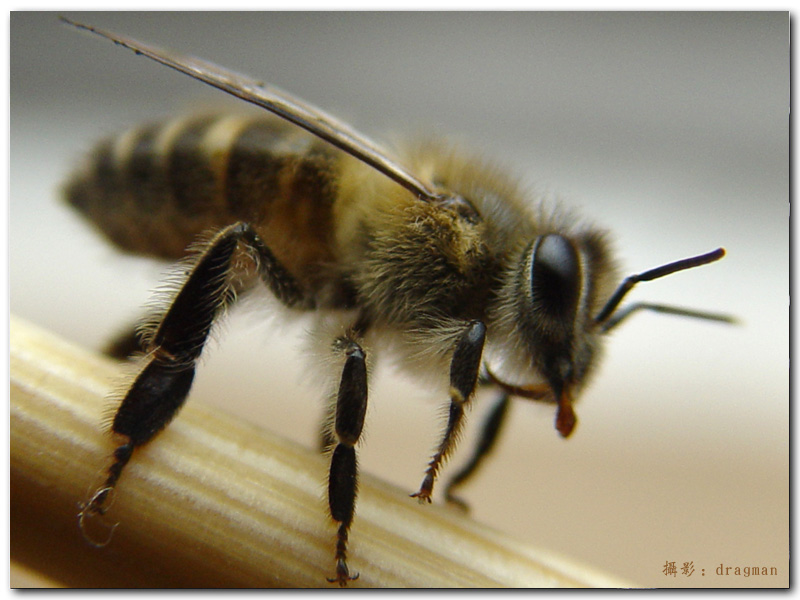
[126, 344]
[161, 387]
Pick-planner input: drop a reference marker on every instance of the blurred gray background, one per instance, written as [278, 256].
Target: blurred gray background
[671, 129]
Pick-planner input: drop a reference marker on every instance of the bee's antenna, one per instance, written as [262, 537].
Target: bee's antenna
[623, 313]
[662, 271]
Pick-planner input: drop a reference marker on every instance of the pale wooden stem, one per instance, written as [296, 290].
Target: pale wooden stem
[214, 502]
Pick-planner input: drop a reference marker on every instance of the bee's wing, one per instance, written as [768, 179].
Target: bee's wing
[282, 104]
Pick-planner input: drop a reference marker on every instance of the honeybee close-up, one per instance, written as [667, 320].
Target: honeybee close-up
[478, 286]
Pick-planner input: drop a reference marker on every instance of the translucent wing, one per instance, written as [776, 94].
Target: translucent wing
[279, 102]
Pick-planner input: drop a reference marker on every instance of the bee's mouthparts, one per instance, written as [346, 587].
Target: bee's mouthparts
[565, 415]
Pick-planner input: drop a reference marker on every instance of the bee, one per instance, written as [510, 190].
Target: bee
[436, 252]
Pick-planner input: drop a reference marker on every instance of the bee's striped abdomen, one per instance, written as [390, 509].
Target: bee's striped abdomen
[152, 190]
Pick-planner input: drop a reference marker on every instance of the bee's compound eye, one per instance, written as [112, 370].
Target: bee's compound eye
[555, 276]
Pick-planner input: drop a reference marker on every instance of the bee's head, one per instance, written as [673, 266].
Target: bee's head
[560, 301]
[555, 297]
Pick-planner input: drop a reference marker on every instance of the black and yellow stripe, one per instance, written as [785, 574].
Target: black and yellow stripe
[153, 189]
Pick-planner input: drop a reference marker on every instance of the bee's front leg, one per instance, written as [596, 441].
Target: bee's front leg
[486, 443]
[464, 368]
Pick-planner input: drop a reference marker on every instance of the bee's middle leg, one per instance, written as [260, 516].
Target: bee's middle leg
[351, 406]
[325, 438]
